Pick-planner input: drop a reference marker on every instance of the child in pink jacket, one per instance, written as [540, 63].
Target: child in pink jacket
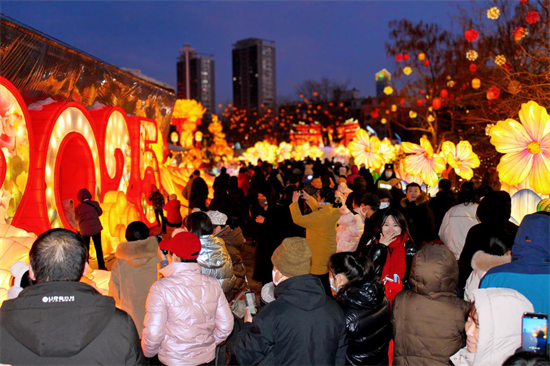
[187, 314]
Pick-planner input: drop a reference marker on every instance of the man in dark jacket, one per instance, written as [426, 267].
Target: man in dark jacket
[418, 213]
[303, 326]
[87, 215]
[60, 321]
[442, 202]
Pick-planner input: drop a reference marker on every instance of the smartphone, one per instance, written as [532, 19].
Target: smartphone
[534, 335]
[251, 302]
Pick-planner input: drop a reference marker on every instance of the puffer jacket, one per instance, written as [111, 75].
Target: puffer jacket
[234, 241]
[349, 230]
[379, 254]
[132, 276]
[420, 218]
[87, 214]
[428, 320]
[455, 226]
[368, 322]
[187, 316]
[499, 312]
[216, 262]
[481, 263]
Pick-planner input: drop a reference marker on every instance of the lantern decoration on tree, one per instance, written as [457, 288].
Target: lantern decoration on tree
[493, 93]
[461, 158]
[436, 104]
[431, 118]
[421, 56]
[406, 56]
[523, 1]
[393, 108]
[413, 114]
[423, 161]
[519, 33]
[427, 63]
[476, 83]
[383, 121]
[532, 17]
[493, 13]
[402, 101]
[399, 57]
[473, 67]
[407, 70]
[526, 146]
[471, 35]
[471, 55]
[375, 113]
[514, 87]
[450, 83]
[388, 90]
[419, 103]
[500, 60]
[444, 93]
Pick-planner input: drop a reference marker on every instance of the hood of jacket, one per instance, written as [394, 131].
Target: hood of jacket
[420, 200]
[137, 253]
[483, 261]
[499, 313]
[306, 292]
[212, 254]
[367, 294]
[84, 194]
[354, 170]
[495, 208]
[533, 239]
[57, 318]
[434, 271]
[233, 237]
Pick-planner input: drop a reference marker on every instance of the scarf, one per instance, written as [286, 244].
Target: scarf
[395, 264]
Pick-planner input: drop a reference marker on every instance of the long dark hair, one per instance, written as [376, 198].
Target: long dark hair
[199, 224]
[355, 269]
[398, 217]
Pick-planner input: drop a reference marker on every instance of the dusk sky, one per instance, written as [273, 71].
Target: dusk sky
[340, 40]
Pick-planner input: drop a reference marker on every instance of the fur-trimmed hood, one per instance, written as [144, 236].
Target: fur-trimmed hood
[420, 200]
[484, 262]
[137, 253]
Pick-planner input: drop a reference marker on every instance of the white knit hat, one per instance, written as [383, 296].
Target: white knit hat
[217, 217]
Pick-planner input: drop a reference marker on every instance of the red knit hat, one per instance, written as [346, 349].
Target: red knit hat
[185, 245]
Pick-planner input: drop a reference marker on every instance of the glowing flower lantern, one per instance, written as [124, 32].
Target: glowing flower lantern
[489, 129]
[399, 57]
[436, 103]
[284, 151]
[471, 35]
[407, 70]
[266, 151]
[423, 161]
[301, 151]
[493, 13]
[386, 151]
[388, 90]
[413, 114]
[461, 158]
[383, 121]
[514, 87]
[403, 175]
[421, 56]
[476, 83]
[471, 55]
[493, 93]
[500, 60]
[341, 154]
[364, 149]
[532, 17]
[444, 93]
[519, 33]
[473, 67]
[526, 146]
[315, 152]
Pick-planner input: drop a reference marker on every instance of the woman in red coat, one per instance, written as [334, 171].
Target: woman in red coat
[173, 214]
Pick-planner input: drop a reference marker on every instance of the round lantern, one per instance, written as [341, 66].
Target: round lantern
[419, 102]
[427, 62]
[388, 90]
[406, 56]
[399, 57]
[514, 86]
[436, 103]
[393, 108]
[384, 121]
[413, 114]
[473, 67]
[421, 56]
[493, 93]
[402, 101]
[476, 83]
[407, 70]
[444, 93]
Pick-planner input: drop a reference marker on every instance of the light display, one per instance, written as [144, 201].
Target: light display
[476, 83]
[423, 161]
[471, 35]
[461, 158]
[471, 55]
[388, 90]
[493, 13]
[526, 145]
[532, 17]
[407, 70]
[364, 149]
[500, 60]
[519, 33]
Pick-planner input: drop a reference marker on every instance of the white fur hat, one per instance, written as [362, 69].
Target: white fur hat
[217, 217]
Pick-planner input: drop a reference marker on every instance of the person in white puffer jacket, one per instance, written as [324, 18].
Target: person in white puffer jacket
[349, 230]
[493, 327]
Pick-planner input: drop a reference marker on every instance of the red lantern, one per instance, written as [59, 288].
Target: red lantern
[473, 67]
[444, 93]
[493, 93]
[523, 1]
[427, 62]
[436, 103]
[399, 57]
[402, 101]
[375, 113]
[419, 103]
[532, 17]
[422, 91]
[406, 56]
[471, 35]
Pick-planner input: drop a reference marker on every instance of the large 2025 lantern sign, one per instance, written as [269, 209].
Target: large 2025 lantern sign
[51, 151]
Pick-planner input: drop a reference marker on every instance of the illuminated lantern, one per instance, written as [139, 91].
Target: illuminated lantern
[406, 56]
[419, 102]
[402, 101]
[444, 93]
[524, 202]
[476, 83]
[493, 93]
[399, 57]
[413, 114]
[471, 55]
[532, 17]
[174, 137]
[471, 35]
[514, 87]
[393, 108]
[500, 60]
[407, 70]
[375, 113]
[431, 118]
[421, 56]
[519, 33]
[473, 67]
[493, 13]
[450, 83]
[387, 111]
[427, 62]
[388, 90]
[436, 104]
[422, 91]
[383, 121]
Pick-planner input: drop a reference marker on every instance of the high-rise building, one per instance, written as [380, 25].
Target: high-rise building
[196, 78]
[254, 83]
[383, 79]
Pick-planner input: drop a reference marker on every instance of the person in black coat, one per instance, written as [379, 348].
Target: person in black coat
[361, 295]
[418, 213]
[442, 202]
[198, 195]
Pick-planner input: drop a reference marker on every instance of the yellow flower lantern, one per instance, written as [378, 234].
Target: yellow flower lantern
[365, 149]
[461, 158]
[526, 146]
[500, 60]
[471, 55]
[388, 90]
[476, 83]
[423, 161]
[493, 13]
[413, 114]
[407, 70]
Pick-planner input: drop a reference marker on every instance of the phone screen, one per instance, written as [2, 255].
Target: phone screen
[534, 332]
[251, 302]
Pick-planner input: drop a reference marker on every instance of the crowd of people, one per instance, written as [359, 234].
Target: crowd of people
[354, 271]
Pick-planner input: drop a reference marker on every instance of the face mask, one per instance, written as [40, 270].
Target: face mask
[387, 174]
[273, 276]
[384, 205]
[332, 286]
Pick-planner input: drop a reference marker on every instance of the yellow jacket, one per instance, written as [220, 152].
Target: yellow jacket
[320, 228]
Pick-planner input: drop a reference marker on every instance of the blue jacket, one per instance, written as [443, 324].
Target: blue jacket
[529, 271]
